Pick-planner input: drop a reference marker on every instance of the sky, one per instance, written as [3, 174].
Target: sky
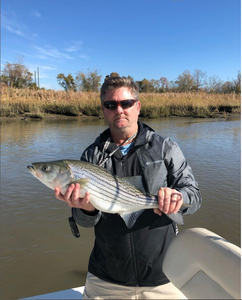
[141, 38]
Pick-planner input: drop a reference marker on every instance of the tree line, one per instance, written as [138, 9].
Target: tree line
[17, 75]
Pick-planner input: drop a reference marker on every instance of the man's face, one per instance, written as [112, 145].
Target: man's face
[121, 118]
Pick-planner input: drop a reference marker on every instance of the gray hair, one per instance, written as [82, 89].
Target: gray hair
[113, 83]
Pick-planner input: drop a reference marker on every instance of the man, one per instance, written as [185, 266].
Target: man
[127, 263]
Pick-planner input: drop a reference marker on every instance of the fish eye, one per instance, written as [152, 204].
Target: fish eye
[45, 168]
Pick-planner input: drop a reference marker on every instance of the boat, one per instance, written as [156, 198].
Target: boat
[200, 263]
[74, 293]
[203, 265]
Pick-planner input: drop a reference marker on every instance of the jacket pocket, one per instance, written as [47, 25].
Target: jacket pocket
[155, 175]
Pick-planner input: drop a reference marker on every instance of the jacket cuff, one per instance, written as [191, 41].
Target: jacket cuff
[84, 219]
[90, 213]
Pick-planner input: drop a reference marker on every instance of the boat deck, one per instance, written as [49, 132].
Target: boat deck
[74, 293]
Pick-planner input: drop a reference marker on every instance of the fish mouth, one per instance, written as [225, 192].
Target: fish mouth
[30, 168]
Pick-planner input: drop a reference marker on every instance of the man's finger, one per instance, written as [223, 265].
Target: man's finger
[68, 194]
[167, 200]
[179, 202]
[157, 211]
[58, 194]
[173, 202]
[161, 196]
[76, 193]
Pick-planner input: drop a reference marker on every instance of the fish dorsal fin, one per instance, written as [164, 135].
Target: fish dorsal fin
[137, 182]
[130, 218]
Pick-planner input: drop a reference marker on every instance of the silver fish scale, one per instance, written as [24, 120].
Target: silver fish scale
[110, 188]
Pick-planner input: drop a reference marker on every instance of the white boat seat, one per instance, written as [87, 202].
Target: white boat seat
[203, 265]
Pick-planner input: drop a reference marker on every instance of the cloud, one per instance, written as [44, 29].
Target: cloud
[12, 30]
[74, 46]
[14, 26]
[36, 14]
[45, 68]
[48, 68]
[50, 52]
[83, 56]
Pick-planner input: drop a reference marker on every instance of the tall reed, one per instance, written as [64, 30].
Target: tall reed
[15, 102]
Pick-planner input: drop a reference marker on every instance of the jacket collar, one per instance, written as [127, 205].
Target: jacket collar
[143, 137]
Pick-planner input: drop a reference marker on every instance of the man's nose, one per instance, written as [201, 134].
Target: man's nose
[119, 108]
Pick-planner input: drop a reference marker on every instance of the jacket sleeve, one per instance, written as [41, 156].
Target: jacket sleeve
[82, 217]
[180, 176]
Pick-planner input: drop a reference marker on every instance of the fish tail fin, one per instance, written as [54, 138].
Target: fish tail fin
[177, 218]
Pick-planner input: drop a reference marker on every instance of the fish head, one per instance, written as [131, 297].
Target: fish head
[52, 174]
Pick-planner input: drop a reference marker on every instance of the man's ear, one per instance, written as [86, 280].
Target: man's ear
[138, 104]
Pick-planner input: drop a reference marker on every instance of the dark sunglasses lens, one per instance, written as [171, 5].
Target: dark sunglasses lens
[127, 103]
[110, 105]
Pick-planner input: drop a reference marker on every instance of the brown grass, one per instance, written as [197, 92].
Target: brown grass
[16, 102]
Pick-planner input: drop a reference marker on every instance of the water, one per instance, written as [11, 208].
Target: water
[38, 252]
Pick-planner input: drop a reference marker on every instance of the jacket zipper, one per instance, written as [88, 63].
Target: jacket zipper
[132, 243]
[133, 253]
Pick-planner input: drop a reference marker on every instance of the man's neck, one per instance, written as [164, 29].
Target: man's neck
[119, 137]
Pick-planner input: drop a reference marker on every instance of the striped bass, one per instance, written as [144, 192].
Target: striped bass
[108, 193]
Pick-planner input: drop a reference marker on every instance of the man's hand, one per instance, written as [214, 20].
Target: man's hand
[72, 199]
[169, 201]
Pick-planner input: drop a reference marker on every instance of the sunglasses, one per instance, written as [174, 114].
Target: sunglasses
[112, 105]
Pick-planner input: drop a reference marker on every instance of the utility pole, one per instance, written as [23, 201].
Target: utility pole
[38, 75]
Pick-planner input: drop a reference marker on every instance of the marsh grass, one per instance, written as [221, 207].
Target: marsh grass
[15, 102]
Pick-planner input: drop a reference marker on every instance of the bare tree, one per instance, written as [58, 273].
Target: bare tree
[214, 84]
[16, 74]
[237, 83]
[164, 84]
[156, 85]
[199, 78]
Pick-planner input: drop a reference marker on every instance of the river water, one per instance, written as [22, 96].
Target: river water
[38, 252]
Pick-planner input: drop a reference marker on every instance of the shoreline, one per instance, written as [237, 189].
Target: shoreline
[58, 117]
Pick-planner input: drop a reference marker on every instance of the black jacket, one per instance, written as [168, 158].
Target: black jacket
[134, 256]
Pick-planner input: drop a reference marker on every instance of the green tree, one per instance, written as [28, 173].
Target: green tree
[67, 82]
[185, 82]
[146, 86]
[4, 80]
[113, 74]
[227, 87]
[89, 81]
[233, 86]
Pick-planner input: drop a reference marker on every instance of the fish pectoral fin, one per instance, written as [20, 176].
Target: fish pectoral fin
[137, 182]
[130, 218]
[83, 182]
